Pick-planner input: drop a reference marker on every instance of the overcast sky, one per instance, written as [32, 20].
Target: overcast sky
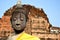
[51, 8]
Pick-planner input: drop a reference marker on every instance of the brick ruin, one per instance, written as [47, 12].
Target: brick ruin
[38, 24]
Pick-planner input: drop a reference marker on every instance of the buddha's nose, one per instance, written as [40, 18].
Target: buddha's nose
[18, 21]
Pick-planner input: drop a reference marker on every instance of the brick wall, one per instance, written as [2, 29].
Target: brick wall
[5, 27]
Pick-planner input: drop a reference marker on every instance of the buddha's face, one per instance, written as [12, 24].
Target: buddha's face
[18, 21]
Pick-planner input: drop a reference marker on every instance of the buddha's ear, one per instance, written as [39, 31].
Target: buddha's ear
[11, 20]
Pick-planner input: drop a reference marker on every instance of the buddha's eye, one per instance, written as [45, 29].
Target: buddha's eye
[14, 19]
[21, 19]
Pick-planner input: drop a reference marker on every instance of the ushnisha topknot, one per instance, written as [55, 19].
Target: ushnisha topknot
[19, 4]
